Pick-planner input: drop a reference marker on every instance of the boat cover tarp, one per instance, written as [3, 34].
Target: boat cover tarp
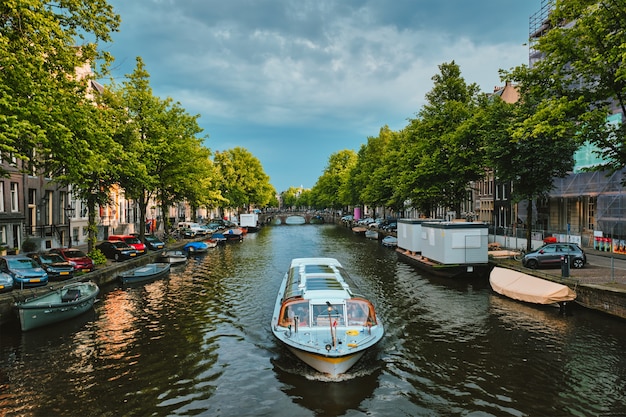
[523, 287]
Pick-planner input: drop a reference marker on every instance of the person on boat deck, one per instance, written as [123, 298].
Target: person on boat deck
[356, 314]
[302, 311]
[298, 309]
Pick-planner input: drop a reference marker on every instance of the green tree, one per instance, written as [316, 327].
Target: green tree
[394, 165]
[243, 181]
[89, 162]
[184, 169]
[39, 89]
[290, 197]
[534, 142]
[328, 191]
[370, 175]
[44, 103]
[140, 131]
[163, 157]
[440, 161]
[584, 62]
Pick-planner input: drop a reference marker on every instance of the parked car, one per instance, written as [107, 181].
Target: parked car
[153, 243]
[376, 224]
[392, 226]
[551, 256]
[191, 229]
[365, 221]
[24, 271]
[56, 267]
[76, 257]
[132, 241]
[6, 282]
[117, 250]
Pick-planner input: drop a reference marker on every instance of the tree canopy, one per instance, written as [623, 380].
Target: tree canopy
[41, 46]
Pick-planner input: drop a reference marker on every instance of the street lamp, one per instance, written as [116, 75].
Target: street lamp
[69, 212]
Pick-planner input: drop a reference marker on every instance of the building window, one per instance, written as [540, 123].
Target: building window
[3, 235]
[1, 196]
[14, 197]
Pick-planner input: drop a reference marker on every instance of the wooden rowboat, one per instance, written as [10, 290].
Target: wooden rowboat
[145, 273]
[60, 304]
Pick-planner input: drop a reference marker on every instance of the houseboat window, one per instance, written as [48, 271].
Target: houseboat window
[291, 310]
[322, 316]
[360, 313]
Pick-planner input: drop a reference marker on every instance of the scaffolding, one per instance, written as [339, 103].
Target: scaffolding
[539, 24]
[601, 199]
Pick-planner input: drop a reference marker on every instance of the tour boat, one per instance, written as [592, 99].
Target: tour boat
[320, 320]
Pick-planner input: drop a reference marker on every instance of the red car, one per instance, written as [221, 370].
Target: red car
[76, 257]
[132, 241]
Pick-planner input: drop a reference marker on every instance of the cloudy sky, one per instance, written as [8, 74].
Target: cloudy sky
[294, 81]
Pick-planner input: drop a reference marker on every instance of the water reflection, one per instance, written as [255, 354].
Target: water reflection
[326, 398]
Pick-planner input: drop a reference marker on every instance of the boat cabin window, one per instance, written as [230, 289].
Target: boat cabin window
[323, 316]
[295, 309]
[360, 313]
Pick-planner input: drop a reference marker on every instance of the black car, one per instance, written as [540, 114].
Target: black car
[117, 250]
[552, 255]
[391, 226]
[54, 264]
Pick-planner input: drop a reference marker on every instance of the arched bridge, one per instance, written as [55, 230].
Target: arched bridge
[294, 217]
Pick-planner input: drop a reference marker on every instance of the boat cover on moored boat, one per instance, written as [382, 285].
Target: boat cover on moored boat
[523, 287]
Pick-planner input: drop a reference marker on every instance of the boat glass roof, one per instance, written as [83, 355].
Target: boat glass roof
[305, 278]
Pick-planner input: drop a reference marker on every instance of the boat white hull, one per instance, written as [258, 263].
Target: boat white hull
[314, 347]
[331, 365]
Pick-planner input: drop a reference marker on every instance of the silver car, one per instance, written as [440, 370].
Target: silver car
[553, 254]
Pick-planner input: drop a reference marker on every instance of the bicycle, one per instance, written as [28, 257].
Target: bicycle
[518, 255]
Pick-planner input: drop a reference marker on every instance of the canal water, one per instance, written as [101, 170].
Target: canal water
[198, 343]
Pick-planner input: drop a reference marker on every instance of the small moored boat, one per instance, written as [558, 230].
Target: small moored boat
[320, 320]
[145, 273]
[390, 241]
[60, 304]
[359, 230]
[371, 234]
[210, 243]
[196, 247]
[523, 287]
[174, 257]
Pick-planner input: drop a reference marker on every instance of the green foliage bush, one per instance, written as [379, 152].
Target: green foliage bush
[97, 257]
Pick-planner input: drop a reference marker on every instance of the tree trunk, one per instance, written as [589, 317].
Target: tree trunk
[529, 224]
[92, 228]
